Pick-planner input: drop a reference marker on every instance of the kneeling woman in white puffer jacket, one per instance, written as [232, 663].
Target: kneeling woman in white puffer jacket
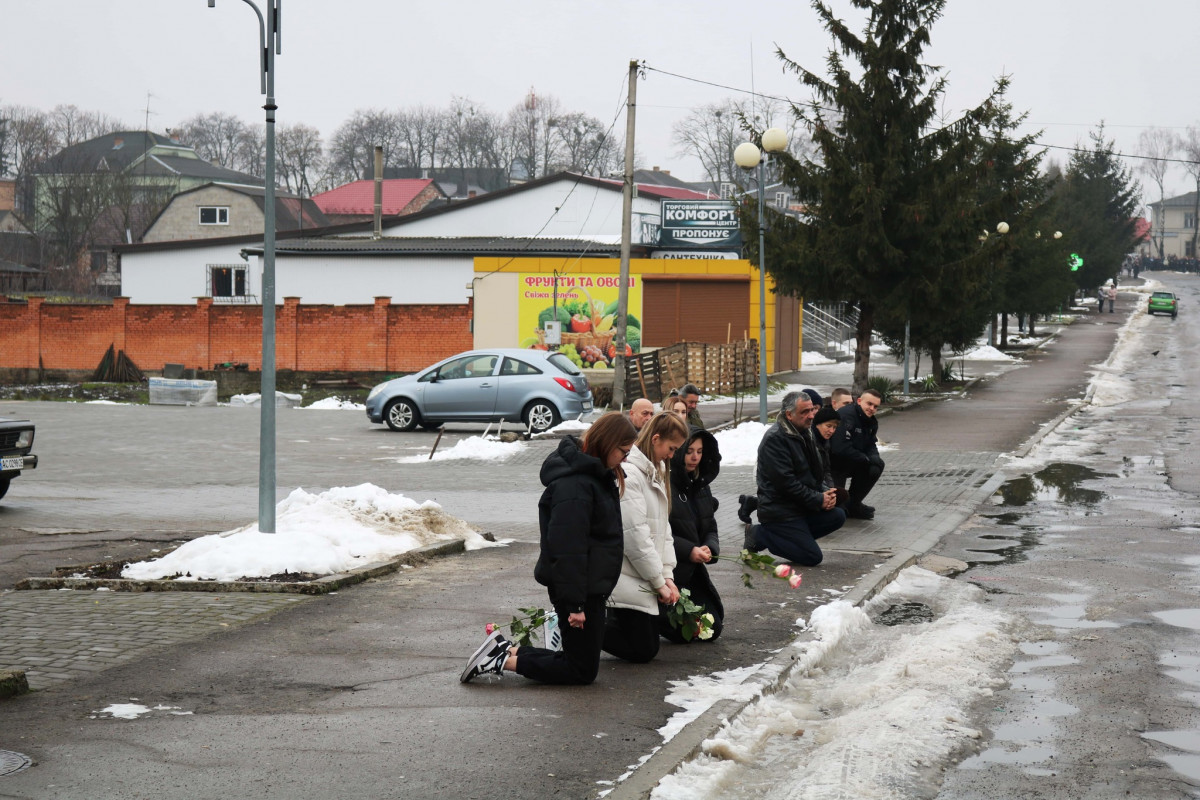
[646, 580]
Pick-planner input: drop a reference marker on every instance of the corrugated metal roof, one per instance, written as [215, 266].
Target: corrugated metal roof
[444, 245]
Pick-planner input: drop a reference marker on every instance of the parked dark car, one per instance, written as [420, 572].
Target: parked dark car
[537, 387]
[16, 442]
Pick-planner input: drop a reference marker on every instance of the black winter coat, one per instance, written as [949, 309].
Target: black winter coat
[825, 452]
[789, 474]
[580, 519]
[854, 440]
[693, 507]
[693, 516]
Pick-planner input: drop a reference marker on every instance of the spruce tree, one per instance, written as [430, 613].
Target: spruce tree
[890, 192]
[1097, 206]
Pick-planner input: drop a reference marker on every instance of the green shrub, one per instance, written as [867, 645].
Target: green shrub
[930, 383]
[886, 387]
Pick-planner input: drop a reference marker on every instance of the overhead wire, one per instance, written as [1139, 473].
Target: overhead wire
[752, 92]
[529, 240]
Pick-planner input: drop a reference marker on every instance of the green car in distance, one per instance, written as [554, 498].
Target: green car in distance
[1164, 302]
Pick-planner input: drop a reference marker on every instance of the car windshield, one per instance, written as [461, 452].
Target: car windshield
[1162, 296]
[563, 363]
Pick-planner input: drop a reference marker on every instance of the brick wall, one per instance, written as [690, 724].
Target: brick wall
[315, 338]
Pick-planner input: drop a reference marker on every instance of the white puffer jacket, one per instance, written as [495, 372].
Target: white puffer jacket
[649, 552]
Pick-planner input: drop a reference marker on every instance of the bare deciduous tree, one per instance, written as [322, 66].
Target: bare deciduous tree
[530, 125]
[352, 151]
[1189, 144]
[218, 138]
[1157, 146]
[422, 129]
[586, 147]
[71, 125]
[299, 158]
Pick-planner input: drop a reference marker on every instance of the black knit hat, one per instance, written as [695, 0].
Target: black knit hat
[826, 414]
[815, 396]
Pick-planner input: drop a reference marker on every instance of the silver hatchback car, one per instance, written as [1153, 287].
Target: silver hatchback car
[538, 387]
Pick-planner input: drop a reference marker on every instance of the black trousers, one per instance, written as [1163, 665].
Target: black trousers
[579, 660]
[862, 475]
[631, 635]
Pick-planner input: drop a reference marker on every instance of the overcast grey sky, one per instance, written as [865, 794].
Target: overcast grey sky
[1073, 62]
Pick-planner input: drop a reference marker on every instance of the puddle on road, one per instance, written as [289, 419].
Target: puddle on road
[1181, 617]
[904, 614]
[1057, 482]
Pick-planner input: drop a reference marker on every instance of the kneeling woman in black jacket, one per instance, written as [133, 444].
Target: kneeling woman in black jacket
[582, 548]
[694, 526]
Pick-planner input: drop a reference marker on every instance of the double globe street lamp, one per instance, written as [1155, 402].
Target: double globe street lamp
[748, 156]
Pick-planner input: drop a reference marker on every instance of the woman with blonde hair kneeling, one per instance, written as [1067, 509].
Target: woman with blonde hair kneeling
[646, 569]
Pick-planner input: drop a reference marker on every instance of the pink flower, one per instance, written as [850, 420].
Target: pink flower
[490, 628]
[794, 581]
[782, 571]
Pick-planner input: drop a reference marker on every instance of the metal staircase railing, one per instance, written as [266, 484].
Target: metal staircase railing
[829, 326]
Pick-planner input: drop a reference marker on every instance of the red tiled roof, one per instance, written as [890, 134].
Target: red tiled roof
[359, 197]
[667, 192]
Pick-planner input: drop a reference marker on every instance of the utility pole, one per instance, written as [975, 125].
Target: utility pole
[618, 389]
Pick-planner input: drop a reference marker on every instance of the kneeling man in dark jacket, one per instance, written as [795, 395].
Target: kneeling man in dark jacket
[794, 509]
[856, 454]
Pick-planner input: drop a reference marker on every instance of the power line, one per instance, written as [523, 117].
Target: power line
[817, 106]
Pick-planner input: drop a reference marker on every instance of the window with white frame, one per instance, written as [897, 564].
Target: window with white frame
[214, 215]
[781, 199]
[727, 191]
[1189, 219]
[226, 280]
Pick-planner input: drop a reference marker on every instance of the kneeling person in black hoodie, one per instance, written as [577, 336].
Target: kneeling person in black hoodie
[694, 527]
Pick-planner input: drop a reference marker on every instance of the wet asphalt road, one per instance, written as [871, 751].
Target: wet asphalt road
[1095, 545]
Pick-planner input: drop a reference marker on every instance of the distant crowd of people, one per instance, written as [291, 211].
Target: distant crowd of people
[628, 522]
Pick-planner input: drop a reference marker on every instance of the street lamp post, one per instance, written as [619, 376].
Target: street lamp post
[269, 46]
[747, 156]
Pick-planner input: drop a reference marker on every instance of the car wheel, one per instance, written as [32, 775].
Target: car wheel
[4, 482]
[540, 415]
[401, 415]
[1174, 314]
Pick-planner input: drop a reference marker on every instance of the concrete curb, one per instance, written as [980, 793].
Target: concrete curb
[323, 585]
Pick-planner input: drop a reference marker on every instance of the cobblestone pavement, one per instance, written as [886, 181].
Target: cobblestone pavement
[57, 635]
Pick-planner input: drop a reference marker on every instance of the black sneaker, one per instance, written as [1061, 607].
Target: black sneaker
[748, 541]
[489, 658]
[747, 503]
[867, 508]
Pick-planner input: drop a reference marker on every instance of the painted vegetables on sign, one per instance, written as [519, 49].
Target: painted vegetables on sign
[586, 309]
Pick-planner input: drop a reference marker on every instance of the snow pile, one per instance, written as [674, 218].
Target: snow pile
[810, 358]
[335, 531]
[1110, 385]
[103, 403]
[739, 446]
[869, 711]
[984, 352]
[254, 400]
[337, 404]
[698, 693]
[475, 448]
[571, 426]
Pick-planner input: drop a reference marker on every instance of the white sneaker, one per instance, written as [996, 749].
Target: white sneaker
[489, 658]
